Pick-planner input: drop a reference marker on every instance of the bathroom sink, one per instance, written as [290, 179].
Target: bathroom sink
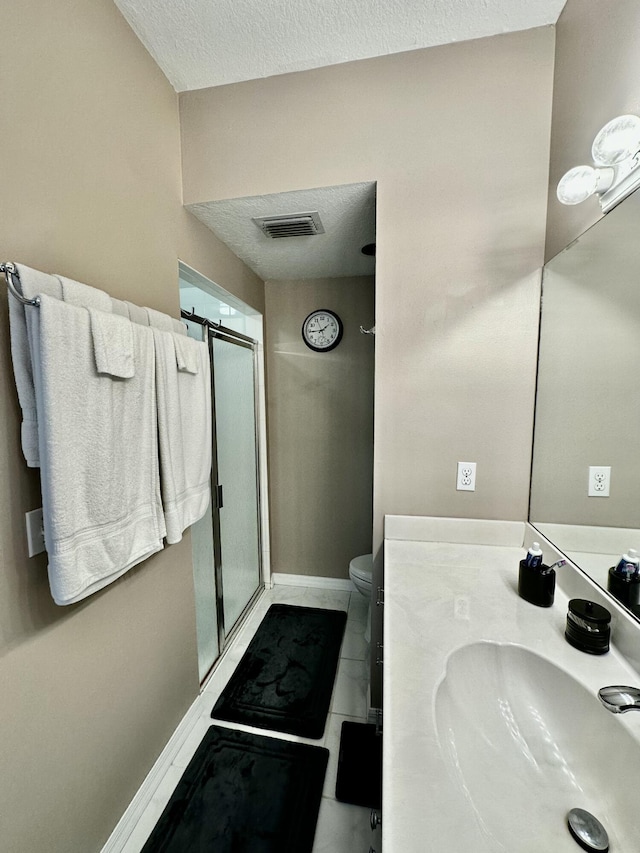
[524, 742]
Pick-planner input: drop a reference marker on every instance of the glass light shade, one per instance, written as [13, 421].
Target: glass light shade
[618, 140]
[577, 185]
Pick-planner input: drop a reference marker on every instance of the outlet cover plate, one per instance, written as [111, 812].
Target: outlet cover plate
[35, 532]
[466, 479]
[599, 481]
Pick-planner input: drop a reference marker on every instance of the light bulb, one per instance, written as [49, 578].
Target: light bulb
[618, 140]
[577, 185]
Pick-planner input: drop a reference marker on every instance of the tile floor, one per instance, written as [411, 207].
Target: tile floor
[341, 828]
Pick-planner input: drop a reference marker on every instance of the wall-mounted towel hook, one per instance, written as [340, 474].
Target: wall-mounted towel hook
[10, 272]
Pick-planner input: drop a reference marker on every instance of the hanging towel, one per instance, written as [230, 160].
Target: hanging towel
[112, 344]
[32, 283]
[158, 320]
[187, 357]
[83, 295]
[137, 314]
[98, 452]
[184, 433]
[119, 306]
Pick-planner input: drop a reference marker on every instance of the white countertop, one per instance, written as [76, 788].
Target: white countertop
[440, 596]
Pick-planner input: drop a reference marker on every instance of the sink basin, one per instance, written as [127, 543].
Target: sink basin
[524, 742]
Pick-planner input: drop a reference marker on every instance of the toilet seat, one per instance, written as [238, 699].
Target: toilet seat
[361, 568]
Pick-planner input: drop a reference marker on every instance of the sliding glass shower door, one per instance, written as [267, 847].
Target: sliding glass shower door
[236, 495]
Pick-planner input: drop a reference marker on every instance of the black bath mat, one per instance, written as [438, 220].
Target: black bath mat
[285, 678]
[244, 793]
[359, 779]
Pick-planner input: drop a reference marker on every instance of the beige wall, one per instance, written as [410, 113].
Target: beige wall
[90, 176]
[320, 412]
[597, 69]
[457, 138]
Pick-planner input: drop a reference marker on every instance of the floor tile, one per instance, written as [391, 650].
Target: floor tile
[350, 691]
[354, 645]
[358, 608]
[342, 828]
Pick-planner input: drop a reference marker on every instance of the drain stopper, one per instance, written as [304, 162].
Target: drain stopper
[588, 831]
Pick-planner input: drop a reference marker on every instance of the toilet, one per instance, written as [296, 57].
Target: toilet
[360, 571]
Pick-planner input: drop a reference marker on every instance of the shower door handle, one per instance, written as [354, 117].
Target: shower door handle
[219, 502]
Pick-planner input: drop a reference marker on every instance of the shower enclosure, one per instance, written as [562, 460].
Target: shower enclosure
[236, 517]
[227, 542]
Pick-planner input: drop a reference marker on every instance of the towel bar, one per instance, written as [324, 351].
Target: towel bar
[10, 271]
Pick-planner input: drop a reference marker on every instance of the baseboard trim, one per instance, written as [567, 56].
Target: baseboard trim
[312, 581]
[127, 823]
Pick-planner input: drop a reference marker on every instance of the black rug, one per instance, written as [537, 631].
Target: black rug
[244, 793]
[285, 678]
[359, 779]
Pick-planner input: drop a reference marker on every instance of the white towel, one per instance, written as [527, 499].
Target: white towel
[164, 322]
[83, 295]
[98, 451]
[187, 356]
[184, 433]
[32, 284]
[158, 320]
[137, 314]
[112, 344]
[119, 306]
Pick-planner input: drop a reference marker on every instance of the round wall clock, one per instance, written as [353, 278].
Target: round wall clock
[322, 330]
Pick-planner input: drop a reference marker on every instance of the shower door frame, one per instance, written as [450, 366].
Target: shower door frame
[213, 331]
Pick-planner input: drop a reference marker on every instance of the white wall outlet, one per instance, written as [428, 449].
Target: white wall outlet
[35, 532]
[466, 481]
[599, 481]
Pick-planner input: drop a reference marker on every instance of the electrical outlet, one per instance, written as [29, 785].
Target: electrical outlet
[35, 532]
[466, 481]
[599, 481]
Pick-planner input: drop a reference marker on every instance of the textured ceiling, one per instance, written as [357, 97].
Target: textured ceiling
[348, 216]
[202, 43]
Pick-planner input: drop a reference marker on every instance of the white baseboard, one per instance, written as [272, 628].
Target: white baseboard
[312, 581]
[127, 823]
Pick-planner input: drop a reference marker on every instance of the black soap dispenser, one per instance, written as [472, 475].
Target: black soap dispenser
[536, 582]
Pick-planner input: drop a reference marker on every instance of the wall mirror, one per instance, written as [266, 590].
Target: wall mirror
[588, 395]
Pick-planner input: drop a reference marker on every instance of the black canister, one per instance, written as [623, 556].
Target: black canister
[626, 588]
[588, 626]
[536, 585]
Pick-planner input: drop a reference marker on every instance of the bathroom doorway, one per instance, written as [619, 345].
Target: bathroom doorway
[228, 543]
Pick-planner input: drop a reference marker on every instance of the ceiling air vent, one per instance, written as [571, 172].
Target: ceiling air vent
[290, 225]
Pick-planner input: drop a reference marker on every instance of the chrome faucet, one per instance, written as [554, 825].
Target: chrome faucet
[618, 699]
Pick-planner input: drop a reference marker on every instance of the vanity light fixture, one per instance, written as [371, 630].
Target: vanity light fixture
[616, 173]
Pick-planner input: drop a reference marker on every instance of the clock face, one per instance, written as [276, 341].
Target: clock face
[322, 330]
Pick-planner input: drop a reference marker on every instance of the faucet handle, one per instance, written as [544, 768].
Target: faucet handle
[619, 699]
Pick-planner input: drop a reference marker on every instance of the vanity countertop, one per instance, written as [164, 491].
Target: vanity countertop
[440, 596]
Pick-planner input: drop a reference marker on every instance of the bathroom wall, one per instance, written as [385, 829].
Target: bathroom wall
[597, 69]
[320, 413]
[91, 188]
[457, 139]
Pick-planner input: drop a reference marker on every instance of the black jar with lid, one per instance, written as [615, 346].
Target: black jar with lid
[588, 626]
